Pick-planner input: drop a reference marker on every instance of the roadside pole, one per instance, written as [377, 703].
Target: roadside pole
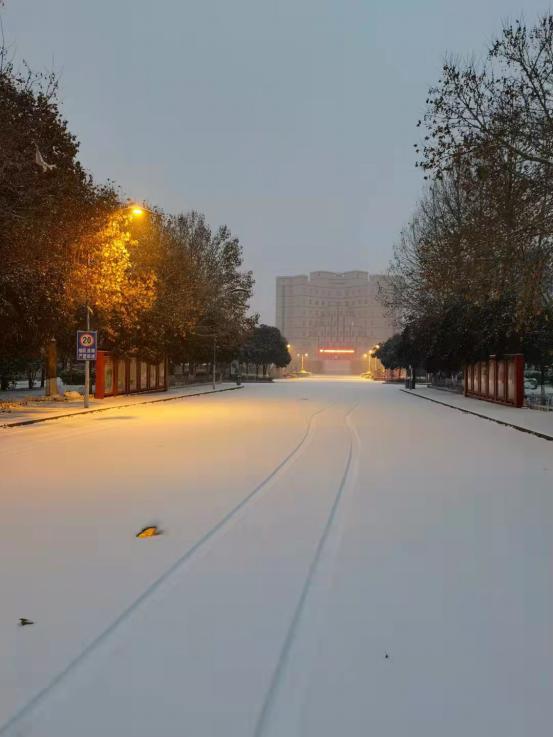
[87, 364]
[235, 371]
[214, 358]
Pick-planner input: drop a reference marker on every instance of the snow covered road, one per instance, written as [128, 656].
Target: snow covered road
[337, 558]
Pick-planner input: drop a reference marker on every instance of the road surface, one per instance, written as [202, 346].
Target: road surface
[337, 558]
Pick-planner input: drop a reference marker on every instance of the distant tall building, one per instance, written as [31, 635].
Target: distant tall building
[335, 318]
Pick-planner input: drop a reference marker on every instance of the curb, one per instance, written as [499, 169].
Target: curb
[538, 434]
[21, 423]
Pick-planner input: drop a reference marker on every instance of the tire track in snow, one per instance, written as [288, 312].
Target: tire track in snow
[266, 712]
[35, 700]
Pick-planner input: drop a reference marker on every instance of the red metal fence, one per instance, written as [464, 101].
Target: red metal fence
[398, 374]
[116, 375]
[497, 380]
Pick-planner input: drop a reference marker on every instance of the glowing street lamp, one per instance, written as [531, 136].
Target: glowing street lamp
[372, 351]
[137, 210]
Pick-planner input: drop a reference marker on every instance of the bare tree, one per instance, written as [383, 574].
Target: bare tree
[506, 99]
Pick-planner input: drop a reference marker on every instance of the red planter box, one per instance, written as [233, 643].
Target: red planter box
[128, 375]
[497, 380]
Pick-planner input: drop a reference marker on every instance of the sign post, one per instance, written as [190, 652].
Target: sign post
[235, 371]
[87, 343]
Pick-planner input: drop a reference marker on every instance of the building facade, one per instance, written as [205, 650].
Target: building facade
[333, 320]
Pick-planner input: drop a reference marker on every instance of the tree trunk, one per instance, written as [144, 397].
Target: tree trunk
[51, 387]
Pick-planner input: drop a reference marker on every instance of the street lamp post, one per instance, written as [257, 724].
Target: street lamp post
[87, 363]
[137, 210]
[214, 361]
[214, 335]
[371, 357]
[86, 400]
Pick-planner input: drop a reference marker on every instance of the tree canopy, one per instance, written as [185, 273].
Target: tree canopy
[155, 283]
[472, 272]
[266, 346]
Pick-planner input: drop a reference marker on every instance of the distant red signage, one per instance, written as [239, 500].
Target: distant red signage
[337, 351]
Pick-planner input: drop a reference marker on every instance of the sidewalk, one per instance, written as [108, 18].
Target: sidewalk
[34, 412]
[523, 419]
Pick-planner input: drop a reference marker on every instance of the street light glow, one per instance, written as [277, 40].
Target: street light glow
[137, 211]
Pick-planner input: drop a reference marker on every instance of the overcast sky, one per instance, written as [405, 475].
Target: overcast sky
[292, 121]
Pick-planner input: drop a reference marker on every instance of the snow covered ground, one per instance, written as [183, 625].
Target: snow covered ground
[522, 417]
[337, 559]
[27, 409]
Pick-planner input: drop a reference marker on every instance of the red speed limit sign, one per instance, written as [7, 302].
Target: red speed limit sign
[86, 345]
